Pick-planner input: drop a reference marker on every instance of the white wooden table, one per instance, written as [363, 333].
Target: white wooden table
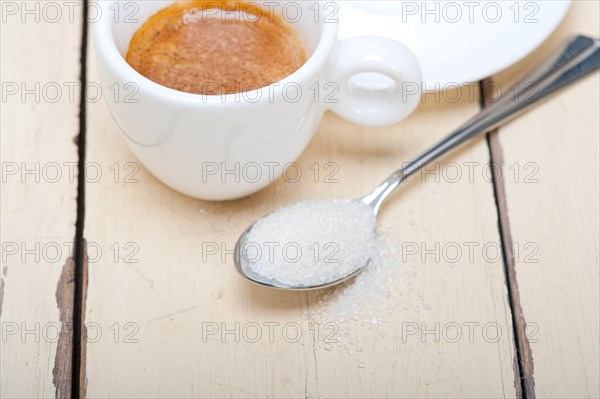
[128, 314]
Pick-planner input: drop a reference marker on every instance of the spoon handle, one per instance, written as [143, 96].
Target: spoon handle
[578, 58]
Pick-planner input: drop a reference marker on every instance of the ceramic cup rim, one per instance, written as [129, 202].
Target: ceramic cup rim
[106, 46]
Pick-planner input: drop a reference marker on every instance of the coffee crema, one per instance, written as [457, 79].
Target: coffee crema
[215, 47]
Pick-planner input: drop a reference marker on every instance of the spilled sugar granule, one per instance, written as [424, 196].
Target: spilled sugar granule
[371, 297]
[364, 315]
[312, 243]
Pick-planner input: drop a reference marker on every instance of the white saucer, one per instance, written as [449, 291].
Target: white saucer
[487, 36]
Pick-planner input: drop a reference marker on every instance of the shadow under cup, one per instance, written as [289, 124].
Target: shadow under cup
[222, 147]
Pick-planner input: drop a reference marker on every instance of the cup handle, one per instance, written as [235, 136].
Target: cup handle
[364, 103]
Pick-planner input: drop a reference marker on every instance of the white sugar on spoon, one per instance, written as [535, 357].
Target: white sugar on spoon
[312, 243]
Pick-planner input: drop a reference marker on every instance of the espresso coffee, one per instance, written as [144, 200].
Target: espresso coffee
[215, 47]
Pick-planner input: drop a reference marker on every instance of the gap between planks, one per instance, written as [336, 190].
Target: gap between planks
[523, 365]
[77, 377]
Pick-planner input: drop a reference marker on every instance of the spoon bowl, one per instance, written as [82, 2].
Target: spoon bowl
[242, 266]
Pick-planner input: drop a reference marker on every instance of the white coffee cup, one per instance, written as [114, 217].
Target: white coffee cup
[227, 147]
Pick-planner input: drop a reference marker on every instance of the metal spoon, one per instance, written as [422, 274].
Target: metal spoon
[578, 58]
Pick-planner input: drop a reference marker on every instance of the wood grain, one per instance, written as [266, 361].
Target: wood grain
[163, 291]
[550, 168]
[40, 75]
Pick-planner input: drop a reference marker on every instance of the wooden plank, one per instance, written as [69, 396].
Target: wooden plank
[449, 212]
[40, 68]
[165, 305]
[550, 162]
